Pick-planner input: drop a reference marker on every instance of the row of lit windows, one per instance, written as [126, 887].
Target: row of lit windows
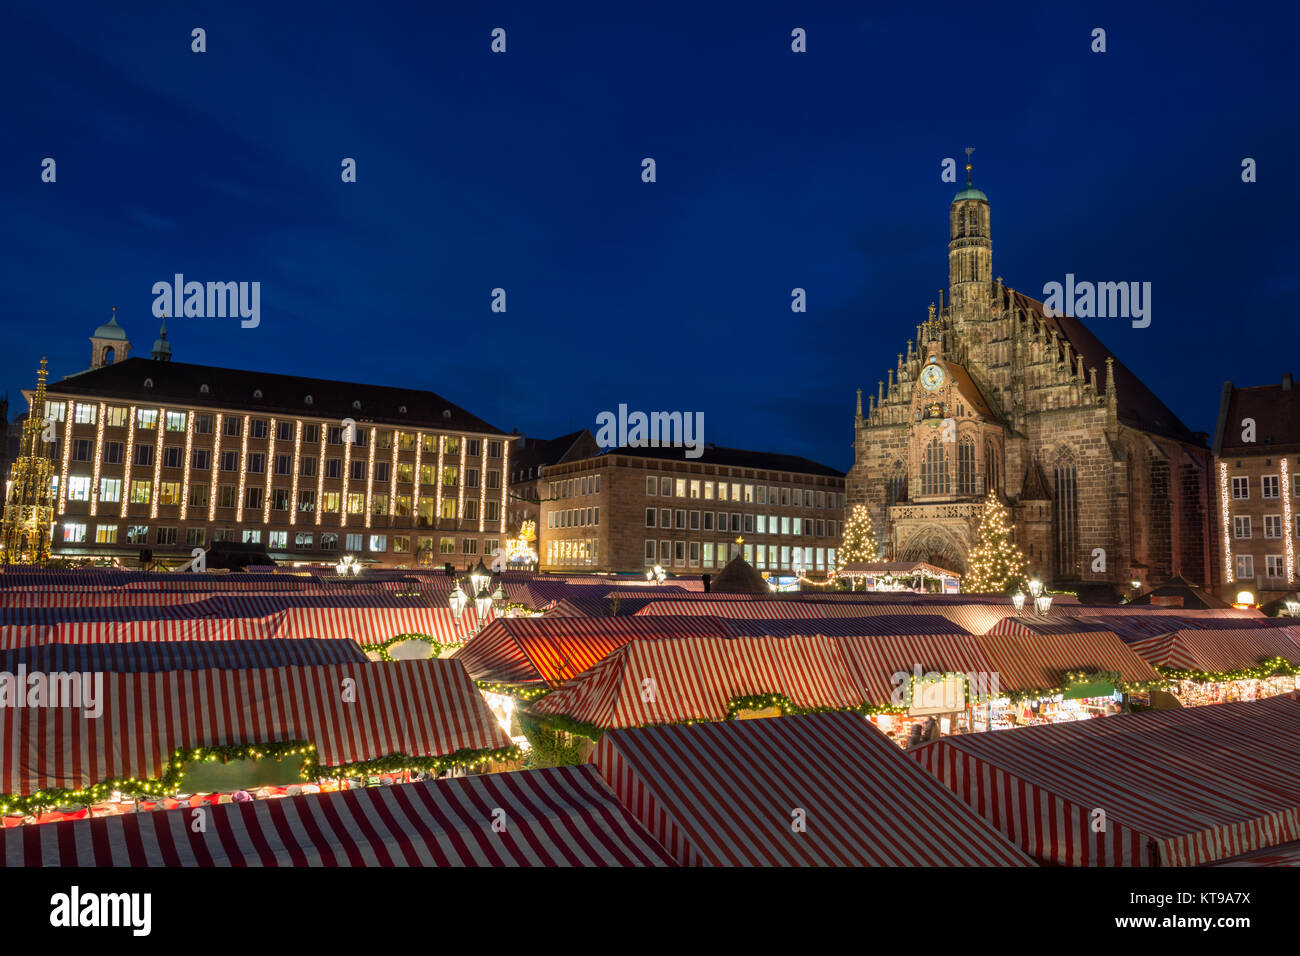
[573, 552]
[1241, 526]
[1270, 486]
[574, 518]
[665, 487]
[707, 554]
[1244, 566]
[142, 492]
[575, 487]
[76, 532]
[683, 520]
[174, 421]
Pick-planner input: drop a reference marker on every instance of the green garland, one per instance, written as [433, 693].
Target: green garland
[1273, 667]
[169, 783]
[546, 747]
[382, 647]
[521, 692]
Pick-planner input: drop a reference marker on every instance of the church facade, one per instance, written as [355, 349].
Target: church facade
[996, 394]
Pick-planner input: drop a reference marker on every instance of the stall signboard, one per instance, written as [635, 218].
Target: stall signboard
[204, 776]
[937, 695]
[1078, 690]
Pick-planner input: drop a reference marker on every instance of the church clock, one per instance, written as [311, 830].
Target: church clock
[932, 377]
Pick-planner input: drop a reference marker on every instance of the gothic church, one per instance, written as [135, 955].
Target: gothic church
[996, 394]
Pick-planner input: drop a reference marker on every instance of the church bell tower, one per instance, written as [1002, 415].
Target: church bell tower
[970, 251]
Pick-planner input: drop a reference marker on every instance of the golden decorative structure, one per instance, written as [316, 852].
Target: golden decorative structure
[28, 522]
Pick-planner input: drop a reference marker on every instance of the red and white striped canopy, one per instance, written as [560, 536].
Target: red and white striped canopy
[564, 816]
[420, 708]
[553, 650]
[665, 680]
[1218, 651]
[754, 610]
[815, 790]
[1177, 787]
[973, 618]
[1027, 661]
[1286, 855]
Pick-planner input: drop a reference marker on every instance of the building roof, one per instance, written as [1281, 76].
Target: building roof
[739, 577]
[970, 192]
[179, 383]
[111, 330]
[529, 453]
[736, 458]
[1276, 411]
[1138, 406]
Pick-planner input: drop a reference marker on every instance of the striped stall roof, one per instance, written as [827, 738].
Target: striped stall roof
[564, 816]
[1027, 662]
[727, 795]
[1178, 787]
[425, 708]
[752, 609]
[1031, 625]
[1218, 651]
[874, 661]
[1285, 855]
[149, 656]
[876, 624]
[552, 650]
[973, 618]
[673, 679]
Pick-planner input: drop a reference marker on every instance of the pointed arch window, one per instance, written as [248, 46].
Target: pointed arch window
[966, 466]
[1065, 488]
[934, 469]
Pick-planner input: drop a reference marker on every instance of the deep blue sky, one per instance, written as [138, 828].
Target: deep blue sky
[775, 170]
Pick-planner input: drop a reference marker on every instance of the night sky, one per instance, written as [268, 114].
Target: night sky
[523, 171]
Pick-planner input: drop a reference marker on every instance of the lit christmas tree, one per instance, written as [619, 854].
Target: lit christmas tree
[996, 564]
[859, 540]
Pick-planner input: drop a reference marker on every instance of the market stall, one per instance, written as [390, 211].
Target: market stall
[814, 790]
[559, 817]
[1222, 665]
[1168, 788]
[915, 576]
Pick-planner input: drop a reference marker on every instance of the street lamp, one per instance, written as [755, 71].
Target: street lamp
[1018, 599]
[1043, 603]
[656, 575]
[1035, 588]
[481, 605]
[1292, 607]
[479, 577]
[458, 601]
[347, 565]
[1136, 584]
[498, 597]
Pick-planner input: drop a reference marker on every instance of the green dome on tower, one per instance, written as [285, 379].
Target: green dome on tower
[970, 192]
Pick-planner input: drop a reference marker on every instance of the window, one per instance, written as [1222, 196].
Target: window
[307, 467]
[145, 418]
[379, 505]
[652, 487]
[253, 497]
[1244, 566]
[142, 456]
[116, 417]
[798, 526]
[707, 519]
[681, 520]
[1274, 566]
[379, 542]
[494, 481]
[283, 464]
[357, 469]
[471, 477]
[450, 475]
[110, 490]
[429, 445]
[198, 495]
[451, 446]
[748, 494]
[175, 423]
[402, 506]
[166, 536]
[74, 533]
[141, 492]
[447, 546]
[279, 499]
[333, 467]
[708, 491]
[493, 511]
[231, 426]
[401, 544]
[749, 524]
[649, 548]
[469, 546]
[785, 496]
[934, 468]
[201, 459]
[761, 527]
[169, 493]
[722, 491]
[357, 503]
[966, 466]
[79, 488]
[311, 434]
[1241, 526]
[735, 521]
[306, 499]
[1066, 530]
[1272, 526]
[352, 542]
[330, 502]
[302, 540]
[226, 495]
[1240, 488]
[335, 434]
[1269, 486]
[173, 456]
[203, 424]
[230, 461]
[426, 474]
[278, 540]
[284, 431]
[113, 453]
[665, 487]
[194, 537]
[448, 507]
[494, 449]
[473, 447]
[137, 534]
[252, 536]
[665, 518]
[695, 521]
[82, 449]
[329, 541]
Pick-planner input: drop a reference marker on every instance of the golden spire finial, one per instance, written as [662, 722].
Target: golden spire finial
[969, 150]
[931, 311]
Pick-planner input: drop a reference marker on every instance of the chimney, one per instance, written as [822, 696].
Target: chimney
[1286, 381]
